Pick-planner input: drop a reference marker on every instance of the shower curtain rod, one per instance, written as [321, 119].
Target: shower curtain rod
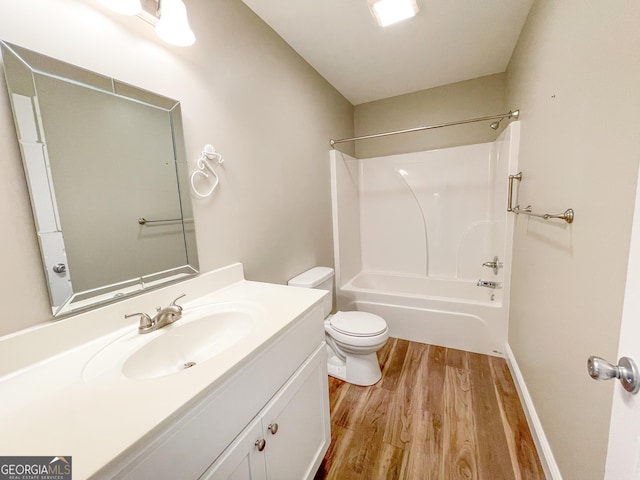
[512, 114]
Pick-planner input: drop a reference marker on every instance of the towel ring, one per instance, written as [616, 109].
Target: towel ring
[208, 154]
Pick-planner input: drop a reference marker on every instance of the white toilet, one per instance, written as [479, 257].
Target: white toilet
[353, 338]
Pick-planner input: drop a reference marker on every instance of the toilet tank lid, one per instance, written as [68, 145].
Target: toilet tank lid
[311, 278]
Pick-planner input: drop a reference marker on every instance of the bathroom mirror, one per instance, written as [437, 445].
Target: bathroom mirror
[107, 176]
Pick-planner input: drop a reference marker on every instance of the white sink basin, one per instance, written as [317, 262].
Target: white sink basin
[200, 335]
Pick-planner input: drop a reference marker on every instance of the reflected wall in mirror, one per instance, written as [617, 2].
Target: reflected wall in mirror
[108, 180]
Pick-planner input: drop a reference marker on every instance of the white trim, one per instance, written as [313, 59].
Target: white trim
[334, 218]
[547, 459]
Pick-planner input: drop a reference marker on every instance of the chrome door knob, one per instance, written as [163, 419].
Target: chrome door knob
[600, 369]
[626, 371]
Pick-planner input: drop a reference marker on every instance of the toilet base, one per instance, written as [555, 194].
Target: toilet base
[362, 370]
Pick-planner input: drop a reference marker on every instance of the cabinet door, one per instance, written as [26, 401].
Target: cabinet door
[241, 460]
[296, 423]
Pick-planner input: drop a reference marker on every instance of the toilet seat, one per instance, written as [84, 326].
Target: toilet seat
[357, 332]
[358, 324]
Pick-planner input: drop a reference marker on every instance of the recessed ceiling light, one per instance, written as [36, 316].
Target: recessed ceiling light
[388, 12]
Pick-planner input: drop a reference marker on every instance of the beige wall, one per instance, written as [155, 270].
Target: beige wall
[576, 78]
[242, 89]
[479, 97]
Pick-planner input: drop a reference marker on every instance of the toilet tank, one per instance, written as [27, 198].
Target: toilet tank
[320, 278]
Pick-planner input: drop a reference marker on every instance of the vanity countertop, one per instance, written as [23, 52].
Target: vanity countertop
[49, 409]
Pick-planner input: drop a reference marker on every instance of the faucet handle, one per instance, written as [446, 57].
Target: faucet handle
[173, 303]
[494, 265]
[145, 320]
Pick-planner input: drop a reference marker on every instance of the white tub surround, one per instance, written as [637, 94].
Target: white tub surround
[113, 426]
[425, 223]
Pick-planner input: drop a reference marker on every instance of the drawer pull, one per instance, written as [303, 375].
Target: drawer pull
[261, 444]
[273, 428]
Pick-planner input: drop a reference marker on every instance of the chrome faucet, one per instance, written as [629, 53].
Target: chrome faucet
[494, 265]
[162, 318]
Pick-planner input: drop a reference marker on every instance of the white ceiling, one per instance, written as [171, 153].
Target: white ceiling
[448, 41]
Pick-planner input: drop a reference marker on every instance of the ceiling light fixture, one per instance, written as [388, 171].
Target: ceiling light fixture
[125, 7]
[168, 16]
[173, 26]
[388, 12]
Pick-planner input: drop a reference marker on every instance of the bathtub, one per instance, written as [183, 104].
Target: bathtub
[454, 313]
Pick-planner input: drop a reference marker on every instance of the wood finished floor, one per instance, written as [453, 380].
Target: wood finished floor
[437, 413]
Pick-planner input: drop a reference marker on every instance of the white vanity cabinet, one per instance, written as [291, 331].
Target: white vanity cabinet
[242, 460]
[289, 437]
[283, 383]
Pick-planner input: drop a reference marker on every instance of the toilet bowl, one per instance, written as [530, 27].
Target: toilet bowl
[352, 338]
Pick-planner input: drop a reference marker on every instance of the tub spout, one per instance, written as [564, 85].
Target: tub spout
[488, 284]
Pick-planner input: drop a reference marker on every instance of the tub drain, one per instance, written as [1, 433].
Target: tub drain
[189, 364]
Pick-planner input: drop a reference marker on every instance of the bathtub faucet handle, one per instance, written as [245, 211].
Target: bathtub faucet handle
[495, 265]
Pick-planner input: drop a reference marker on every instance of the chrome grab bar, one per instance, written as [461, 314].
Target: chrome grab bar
[517, 176]
[567, 215]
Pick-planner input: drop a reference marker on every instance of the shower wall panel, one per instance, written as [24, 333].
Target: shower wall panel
[429, 213]
[345, 200]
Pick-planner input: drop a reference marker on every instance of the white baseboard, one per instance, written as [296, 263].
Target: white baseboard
[549, 464]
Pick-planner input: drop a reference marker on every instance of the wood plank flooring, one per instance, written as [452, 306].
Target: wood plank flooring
[437, 413]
